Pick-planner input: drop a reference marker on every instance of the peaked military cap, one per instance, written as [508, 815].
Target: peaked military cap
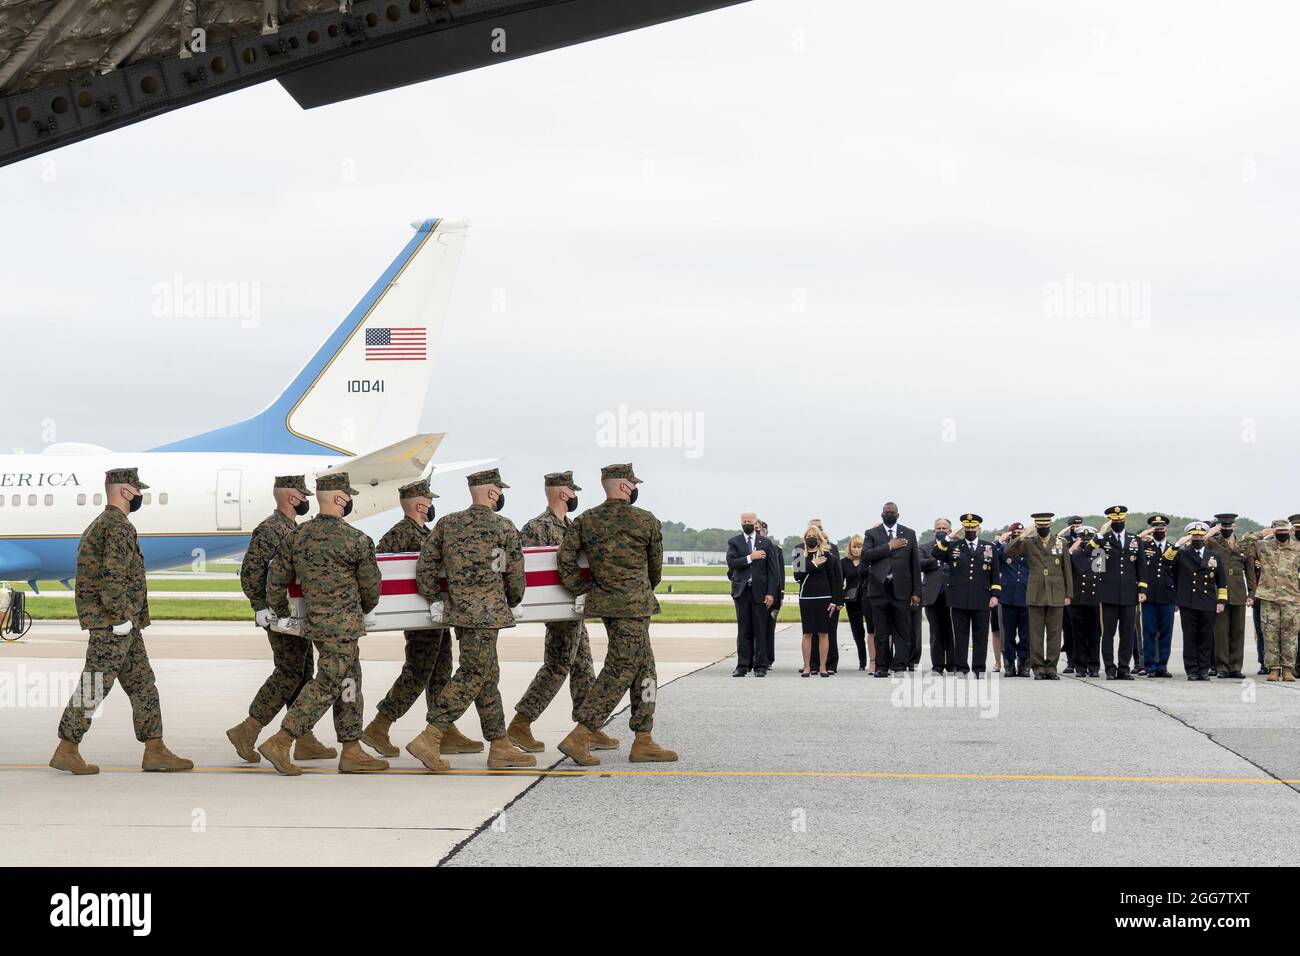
[1075, 519]
[561, 479]
[1225, 518]
[1117, 512]
[1294, 519]
[124, 476]
[621, 472]
[335, 481]
[1043, 519]
[1197, 528]
[971, 520]
[296, 483]
[491, 476]
[1157, 521]
[416, 489]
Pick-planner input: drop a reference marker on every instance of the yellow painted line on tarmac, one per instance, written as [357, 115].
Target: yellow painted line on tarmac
[768, 774]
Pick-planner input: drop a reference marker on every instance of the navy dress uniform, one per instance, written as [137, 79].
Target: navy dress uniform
[1200, 590]
[1084, 611]
[972, 591]
[1119, 592]
[1069, 534]
[1013, 575]
[1157, 595]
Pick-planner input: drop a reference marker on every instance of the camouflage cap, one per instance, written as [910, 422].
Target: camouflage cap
[491, 476]
[561, 479]
[296, 483]
[620, 472]
[335, 481]
[1281, 525]
[416, 489]
[124, 476]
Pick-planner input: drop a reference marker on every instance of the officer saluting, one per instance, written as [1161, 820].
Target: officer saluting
[428, 652]
[1049, 591]
[624, 547]
[1084, 611]
[1230, 626]
[1119, 592]
[1201, 588]
[1276, 551]
[972, 591]
[334, 564]
[290, 653]
[1156, 594]
[113, 605]
[477, 552]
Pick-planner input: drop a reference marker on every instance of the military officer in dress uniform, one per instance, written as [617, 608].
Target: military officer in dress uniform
[1085, 610]
[625, 548]
[780, 595]
[1156, 594]
[1119, 592]
[567, 650]
[1201, 588]
[427, 666]
[113, 605]
[972, 591]
[334, 564]
[1013, 575]
[1068, 535]
[934, 598]
[1230, 626]
[477, 552]
[1049, 592]
[290, 653]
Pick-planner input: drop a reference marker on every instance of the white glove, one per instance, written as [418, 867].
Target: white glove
[437, 613]
[288, 625]
[123, 629]
[517, 612]
[579, 604]
[265, 617]
[371, 620]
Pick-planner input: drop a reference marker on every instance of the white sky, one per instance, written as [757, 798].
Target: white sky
[655, 207]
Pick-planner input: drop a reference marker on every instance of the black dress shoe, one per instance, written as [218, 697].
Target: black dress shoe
[1166, 675]
[1052, 675]
[805, 674]
[1069, 669]
[862, 667]
[911, 667]
[760, 672]
[1263, 671]
[1124, 675]
[1110, 674]
[979, 675]
[880, 673]
[1236, 675]
[1039, 675]
[1094, 671]
[824, 674]
[739, 672]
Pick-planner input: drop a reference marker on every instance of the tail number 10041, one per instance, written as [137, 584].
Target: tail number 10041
[365, 385]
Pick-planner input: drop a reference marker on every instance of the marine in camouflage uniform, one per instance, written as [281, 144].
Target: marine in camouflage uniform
[427, 666]
[1278, 591]
[567, 651]
[624, 548]
[477, 552]
[113, 605]
[290, 653]
[334, 564]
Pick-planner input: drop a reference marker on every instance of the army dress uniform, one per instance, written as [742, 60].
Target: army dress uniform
[567, 648]
[1278, 591]
[1230, 626]
[111, 592]
[1119, 593]
[477, 552]
[1084, 611]
[624, 549]
[973, 582]
[334, 564]
[1049, 590]
[1201, 586]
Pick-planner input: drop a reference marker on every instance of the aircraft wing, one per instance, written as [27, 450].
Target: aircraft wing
[402, 461]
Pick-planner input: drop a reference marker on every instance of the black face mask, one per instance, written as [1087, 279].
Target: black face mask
[972, 535]
[571, 504]
[136, 502]
[428, 514]
[1159, 534]
[747, 528]
[1225, 532]
[1044, 532]
[347, 508]
[890, 518]
[631, 499]
[1283, 536]
[810, 544]
[302, 507]
[1117, 526]
[500, 503]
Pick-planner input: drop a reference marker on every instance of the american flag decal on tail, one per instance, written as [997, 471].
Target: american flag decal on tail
[396, 345]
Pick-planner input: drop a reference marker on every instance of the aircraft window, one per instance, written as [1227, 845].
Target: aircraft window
[2, 501]
[99, 499]
[81, 499]
[31, 500]
[49, 500]
[162, 498]
[17, 500]
[147, 496]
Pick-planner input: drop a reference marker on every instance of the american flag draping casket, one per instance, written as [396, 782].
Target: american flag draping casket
[401, 608]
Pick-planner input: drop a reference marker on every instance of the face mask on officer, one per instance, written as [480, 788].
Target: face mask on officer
[1043, 531]
[1283, 536]
[1158, 534]
[889, 517]
[631, 498]
[302, 507]
[572, 504]
[425, 512]
[500, 502]
[1117, 526]
[971, 534]
[136, 502]
[347, 508]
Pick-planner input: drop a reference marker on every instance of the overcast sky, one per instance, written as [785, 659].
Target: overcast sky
[858, 245]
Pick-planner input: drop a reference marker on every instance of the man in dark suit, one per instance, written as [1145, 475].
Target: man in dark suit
[780, 593]
[893, 572]
[755, 579]
[934, 599]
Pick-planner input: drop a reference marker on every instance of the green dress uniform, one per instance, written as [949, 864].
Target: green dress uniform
[624, 548]
[1050, 586]
[335, 566]
[1230, 626]
[111, 590]
[477, 552]
[428, 652]
[567, 651]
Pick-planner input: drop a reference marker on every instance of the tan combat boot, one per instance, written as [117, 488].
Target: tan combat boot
[276, 750]
[645, 750]
[520, 733]
[307, 747]
[426, 749]
[454, 742]
[602, 741]
[375, 736]
[67, 756]
[1275, 673]
[1288, 673]
[356, 760]
[577, 747]
[158, 757]
[503, 755]
[244, 738]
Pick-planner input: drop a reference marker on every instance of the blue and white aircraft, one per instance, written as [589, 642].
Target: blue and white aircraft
[355, 406]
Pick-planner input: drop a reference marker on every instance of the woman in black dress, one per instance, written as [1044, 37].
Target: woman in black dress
[855, 603]
[821, 592]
